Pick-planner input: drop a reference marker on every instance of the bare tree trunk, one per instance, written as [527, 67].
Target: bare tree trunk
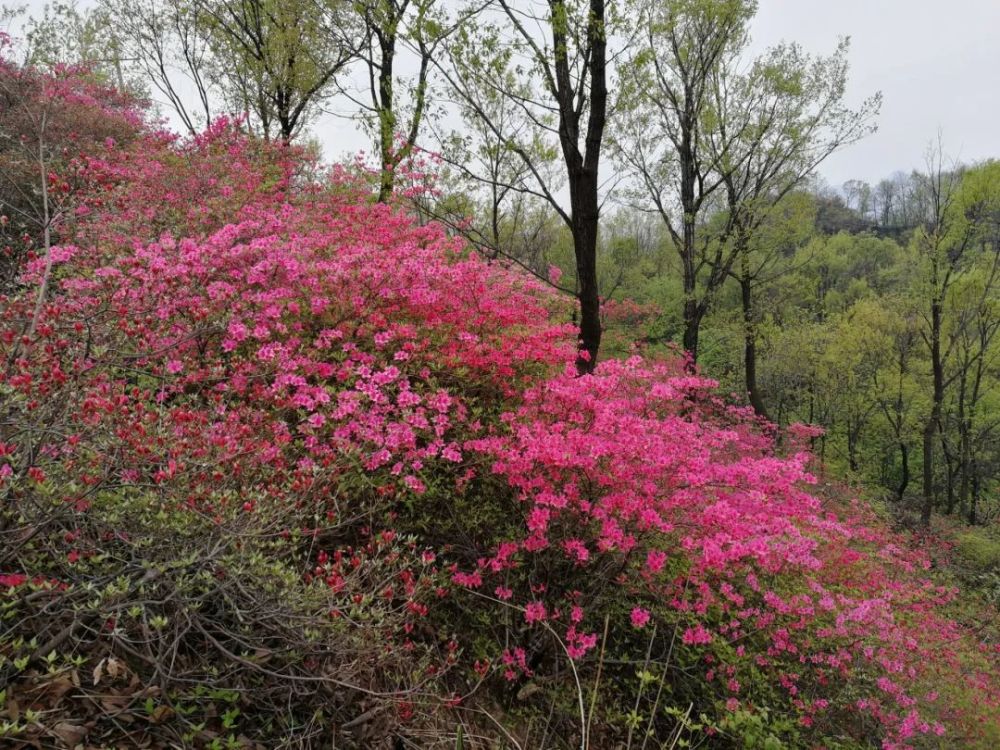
[853, 433]
[904, 480]
[585, 240]
[689, 204]
[582, 168]
[951, 469]
[928, 473]
[386, 117]
[974, 505]
[964, 448]
[692, 330]
[934, 420]
[750, 339]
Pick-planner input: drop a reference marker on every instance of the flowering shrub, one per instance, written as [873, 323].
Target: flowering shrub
[217, 428]
[628, 313]
[269, 436]
[55, 120]
[648, 500]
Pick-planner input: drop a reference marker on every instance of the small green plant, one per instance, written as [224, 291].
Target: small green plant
[229, 718]
[759, 730]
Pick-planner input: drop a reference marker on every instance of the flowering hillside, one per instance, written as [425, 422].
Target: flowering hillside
[281, 466]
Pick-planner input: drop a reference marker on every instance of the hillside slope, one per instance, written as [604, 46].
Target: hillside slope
[281, 467]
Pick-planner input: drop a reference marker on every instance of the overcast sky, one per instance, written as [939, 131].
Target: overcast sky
[936, 62]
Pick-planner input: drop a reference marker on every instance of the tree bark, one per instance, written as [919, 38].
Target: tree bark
[934, 420]
[964, 448]
[582, 168]
[692, 331]
[904, 480]
[750, 339]
[585, 239]
[689, 205]
[386, 117]
[974, 504]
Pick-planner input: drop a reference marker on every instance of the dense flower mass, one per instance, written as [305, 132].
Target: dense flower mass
[236, 339]
[718, 536]
[320, 336]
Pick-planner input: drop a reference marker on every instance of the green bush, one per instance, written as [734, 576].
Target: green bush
[977, 549]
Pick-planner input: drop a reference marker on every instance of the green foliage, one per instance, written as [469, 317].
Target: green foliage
[978, 550]
[758, 730]
[65, 34]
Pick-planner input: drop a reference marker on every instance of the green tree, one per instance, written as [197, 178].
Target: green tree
[550, 70]
[276, 60]
[962, 232]
[764, 243]
[65, 34]
[273, 61]
[776, 124]
[667, 110]
[391, 27]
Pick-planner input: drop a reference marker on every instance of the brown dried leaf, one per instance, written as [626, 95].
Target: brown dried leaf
[70, 735]
[56, 688]
[115, 668]
[115, 703]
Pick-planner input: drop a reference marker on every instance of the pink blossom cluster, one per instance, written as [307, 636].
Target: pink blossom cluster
[642, 470]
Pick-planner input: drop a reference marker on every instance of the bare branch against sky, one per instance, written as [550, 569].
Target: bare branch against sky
[937, 65]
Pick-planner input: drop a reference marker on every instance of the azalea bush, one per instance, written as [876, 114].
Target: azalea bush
[207, 436]
[650, 503]
[48, 122]
[266, 438]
